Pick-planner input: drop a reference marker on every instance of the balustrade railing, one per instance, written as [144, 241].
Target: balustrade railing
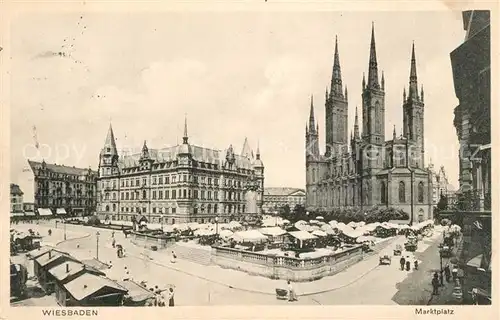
[283, 261]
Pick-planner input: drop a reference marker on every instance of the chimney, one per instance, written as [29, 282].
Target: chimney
[50, 254]
[84, 286]
[67, 267]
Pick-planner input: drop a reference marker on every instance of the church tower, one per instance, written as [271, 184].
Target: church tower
[413, 110]
[312, 137]
[312, 158]
[336, 111]
[108, 158]
[373, 101]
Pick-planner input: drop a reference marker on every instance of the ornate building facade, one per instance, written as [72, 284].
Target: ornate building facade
[471, 77]
[367, 170]
[16, 198]
[183, 183]
[275, 198]
[441, 185]
[64, 189]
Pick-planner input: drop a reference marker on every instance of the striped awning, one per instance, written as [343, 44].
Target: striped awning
[60, 211]
[17, 214]
[44, 212]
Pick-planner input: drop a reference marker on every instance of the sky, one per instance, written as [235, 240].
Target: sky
[234, 75]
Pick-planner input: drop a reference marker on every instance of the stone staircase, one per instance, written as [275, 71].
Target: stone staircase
[193, 253]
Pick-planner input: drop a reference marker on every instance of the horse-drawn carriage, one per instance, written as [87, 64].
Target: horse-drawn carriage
[385, 259]
[398, 250]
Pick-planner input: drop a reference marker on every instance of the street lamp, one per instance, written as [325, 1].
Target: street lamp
[217, 227]
[64, 222]
[97, 245]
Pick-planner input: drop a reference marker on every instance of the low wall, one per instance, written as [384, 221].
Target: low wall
[288, 268]
[146, 240]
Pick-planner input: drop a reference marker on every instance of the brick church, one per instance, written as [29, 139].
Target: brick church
[366, 170]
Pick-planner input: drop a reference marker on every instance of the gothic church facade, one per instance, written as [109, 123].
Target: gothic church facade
[366, 170]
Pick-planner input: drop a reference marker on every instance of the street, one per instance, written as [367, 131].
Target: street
[195, 285]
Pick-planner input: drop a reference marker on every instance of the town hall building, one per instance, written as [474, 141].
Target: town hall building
[366, 170]
[183, 183]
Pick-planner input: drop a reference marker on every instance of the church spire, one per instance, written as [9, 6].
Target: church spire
[404, 95]
[312, 126]
[185, 136]
[110, 143]
[336, 83]
[413, 93]
[383, 81]
[394, 133]
[145, 151]
[356, 125]
[363, 84]
[257, 155]
[373, 69]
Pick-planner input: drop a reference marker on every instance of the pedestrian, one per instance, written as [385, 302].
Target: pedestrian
[415, 264]
[441, 278]
[291, 292]
[435, 284]
[171, 297]
[402, 262]
[408, 265]
[173, 257]
[454, 272]
[113, 243]
[447, 273]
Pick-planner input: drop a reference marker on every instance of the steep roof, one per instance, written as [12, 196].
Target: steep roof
[35, 165]
[15, 190]
[88, 284]
[281, 191]
[199, 154]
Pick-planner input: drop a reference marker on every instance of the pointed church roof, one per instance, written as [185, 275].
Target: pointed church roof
[372, 65]
[312, 126]
[336, 83]
[110, 143]
[413, 92]
[246, 151]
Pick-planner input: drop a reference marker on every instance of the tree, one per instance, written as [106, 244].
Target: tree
[443, 203]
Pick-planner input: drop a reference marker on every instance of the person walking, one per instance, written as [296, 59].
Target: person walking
[173, 257]
[415, 264]
[291, 292]
[447, 273]
[171, 297]
[435, 284]
[402, 262]
[408, 265]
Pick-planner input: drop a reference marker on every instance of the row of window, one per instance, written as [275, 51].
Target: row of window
[62, 176]
[173, 179]
[328, 198]
[165, 210]
[174, 194]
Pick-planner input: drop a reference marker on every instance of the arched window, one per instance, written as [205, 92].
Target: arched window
[421, 192]
[339, 196]
[346, 201]
[114, 207]
[402, 192]
[313, 175]
[107, 208]
[383, 193]
[354, 195]
[144, 194]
